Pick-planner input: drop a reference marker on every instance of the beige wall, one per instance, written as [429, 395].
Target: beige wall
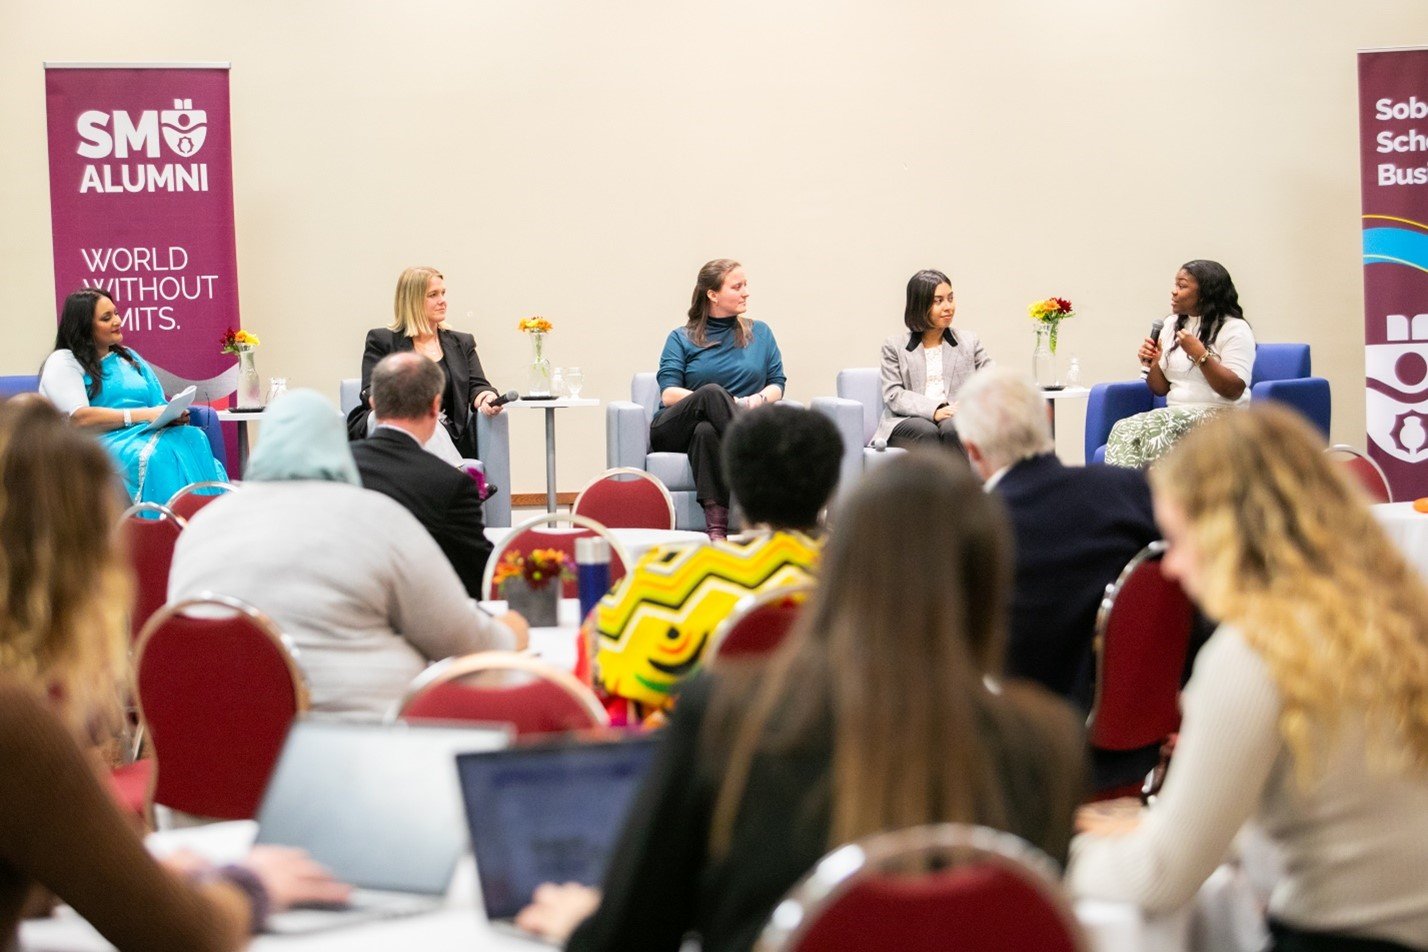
[580, 160]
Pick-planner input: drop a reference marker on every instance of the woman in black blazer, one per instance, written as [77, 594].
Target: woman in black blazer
[419, 325]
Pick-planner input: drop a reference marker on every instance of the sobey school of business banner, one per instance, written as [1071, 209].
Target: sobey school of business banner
[141, 201]
[1393, 119]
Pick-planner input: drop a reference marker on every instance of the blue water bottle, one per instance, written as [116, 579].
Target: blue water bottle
[592, 566]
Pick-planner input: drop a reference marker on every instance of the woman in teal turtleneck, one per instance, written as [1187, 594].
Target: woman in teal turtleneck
[717, 363]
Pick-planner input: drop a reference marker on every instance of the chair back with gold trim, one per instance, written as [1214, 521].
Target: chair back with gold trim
[193, 497]
[218, 687]
[149, 532]
[1143, 632]
[1365, 471]
[538, 532]
[947, 887]
[502, 686]
[626, 498]
[758, 624]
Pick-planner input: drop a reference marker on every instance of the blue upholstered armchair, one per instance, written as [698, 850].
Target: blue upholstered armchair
[627, 443]
[493, 437]
[856, 411]
[1281, 372]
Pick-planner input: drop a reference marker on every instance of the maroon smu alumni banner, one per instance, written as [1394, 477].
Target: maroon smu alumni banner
[141, 203]
[1393, 158]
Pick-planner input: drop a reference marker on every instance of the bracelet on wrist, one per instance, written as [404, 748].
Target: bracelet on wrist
[128, 418]
[248, 883]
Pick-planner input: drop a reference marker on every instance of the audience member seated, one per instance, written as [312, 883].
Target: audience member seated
[1306, 709]
[1201, 364]
[717, 363]
[419, 325]
[63, 657]
[923, 369]
[108, 389]
[652, 628]
[875, 715]
[406, 397]
[1076, 527]
[348, 574]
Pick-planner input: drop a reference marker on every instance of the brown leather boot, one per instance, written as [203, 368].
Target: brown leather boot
[716, 520]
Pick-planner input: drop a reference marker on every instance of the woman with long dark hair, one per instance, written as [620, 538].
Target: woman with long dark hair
[110, 390]
[1201, 364]
[879, 712]
[923, 369]
[719, 362]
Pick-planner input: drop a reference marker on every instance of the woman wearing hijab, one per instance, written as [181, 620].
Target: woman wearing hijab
[348, 574]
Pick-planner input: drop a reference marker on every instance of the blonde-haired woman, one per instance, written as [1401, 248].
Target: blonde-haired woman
[1308, 709]
[419, 324]
[63, 641]
[874, 716]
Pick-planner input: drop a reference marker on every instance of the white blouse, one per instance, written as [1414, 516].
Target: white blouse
[1188, 387]
[936, 387]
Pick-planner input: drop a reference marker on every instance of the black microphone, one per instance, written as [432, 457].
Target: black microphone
[504, 399]
[1155, 328]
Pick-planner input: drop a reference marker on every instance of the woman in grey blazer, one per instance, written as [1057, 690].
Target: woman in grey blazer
[923, 369]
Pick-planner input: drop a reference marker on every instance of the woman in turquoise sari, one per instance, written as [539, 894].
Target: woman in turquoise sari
[108, 389]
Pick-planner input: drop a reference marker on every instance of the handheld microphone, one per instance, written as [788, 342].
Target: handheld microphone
[504, 399]
[1155, 328]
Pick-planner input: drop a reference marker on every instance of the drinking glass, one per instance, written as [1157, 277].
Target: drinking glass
[574, 380]
[277, 386]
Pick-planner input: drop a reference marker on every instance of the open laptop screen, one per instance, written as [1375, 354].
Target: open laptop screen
[548, 813]
[379, 805]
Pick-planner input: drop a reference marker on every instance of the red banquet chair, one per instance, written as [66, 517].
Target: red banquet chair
[149, 533]
[626, 498]
[502, 686]
[758, 624]
[537, 533]
[1143, 632]
[218, 687]
[1365, 471]
[947, 887]
[193, 497]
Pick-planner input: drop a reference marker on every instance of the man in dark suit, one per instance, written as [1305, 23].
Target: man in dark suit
[1075, 527]
[406, 398]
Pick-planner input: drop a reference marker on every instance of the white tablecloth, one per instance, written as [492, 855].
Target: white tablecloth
[461, 926]
[1408, 528]
[636, 541]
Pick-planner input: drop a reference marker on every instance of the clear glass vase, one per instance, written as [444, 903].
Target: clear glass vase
[250, 394]
[540, 367]
[1045, 365]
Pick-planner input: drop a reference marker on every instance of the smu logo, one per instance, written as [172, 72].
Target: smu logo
[1397, 382]
[119, 135]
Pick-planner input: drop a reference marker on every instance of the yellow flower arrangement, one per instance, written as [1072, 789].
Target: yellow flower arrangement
[1051, 312]
[236, 342]
[534, 325]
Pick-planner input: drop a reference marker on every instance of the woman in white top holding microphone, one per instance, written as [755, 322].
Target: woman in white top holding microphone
[1200, 362]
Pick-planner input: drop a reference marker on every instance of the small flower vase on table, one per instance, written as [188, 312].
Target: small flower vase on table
[1045, 366]
[540, 367]
[531, 584]
[242, 344]
[249, 390]
[537, 327]
[538, 605]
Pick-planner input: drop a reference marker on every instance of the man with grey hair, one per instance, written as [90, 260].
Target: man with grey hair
[1075, 528]
[406, 399]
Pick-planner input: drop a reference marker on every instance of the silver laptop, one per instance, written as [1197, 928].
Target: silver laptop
[547, 813]
[379, 805]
